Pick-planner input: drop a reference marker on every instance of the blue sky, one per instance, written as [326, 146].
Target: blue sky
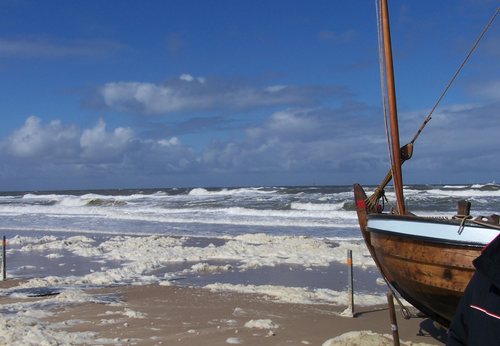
[137, 94]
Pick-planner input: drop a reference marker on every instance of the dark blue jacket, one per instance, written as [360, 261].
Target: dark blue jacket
[477, 319]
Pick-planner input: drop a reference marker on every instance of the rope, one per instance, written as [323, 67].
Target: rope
[429, 117]
[374, 198]
[404, 310]
[463, 218]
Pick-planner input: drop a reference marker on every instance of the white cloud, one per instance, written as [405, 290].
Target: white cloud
[169, 142]
[97, 144]
[63, 143]
[299, 140]
[144, 97]
[291, 122]
[34, 139]
[41, 152]
[188, 93]
[334, 145]
[186, 77]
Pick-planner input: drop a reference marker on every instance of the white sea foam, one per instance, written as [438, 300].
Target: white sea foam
[261, 324]
[22, 325]
[233, 340]
[54, 255]
[300, 295]
[205, 192]
[197, 211]
[19, 330]
[464, 193]
[133, 314]
[79, 245]
[208, 268]
[367, 338]
[479, 186]
[140, 256]
[317, 206]
[312, 216]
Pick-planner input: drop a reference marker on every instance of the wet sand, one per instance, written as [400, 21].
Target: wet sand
[173, 315]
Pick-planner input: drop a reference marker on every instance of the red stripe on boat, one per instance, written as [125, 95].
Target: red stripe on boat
[361, 204]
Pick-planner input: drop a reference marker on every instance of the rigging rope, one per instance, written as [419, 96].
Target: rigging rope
[407, 150]
[429, 117]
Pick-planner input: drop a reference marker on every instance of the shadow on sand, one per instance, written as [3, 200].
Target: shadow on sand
[427, 328]
[430, 328]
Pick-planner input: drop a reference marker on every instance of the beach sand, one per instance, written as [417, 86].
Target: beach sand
[176, 315]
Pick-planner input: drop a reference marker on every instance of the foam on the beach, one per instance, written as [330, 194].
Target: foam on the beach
[300, 295]
[233, 340]
[136, 259]
[366, 338]
[140, 256]
[132, 314]
[21, 323]
[261, 324]
[19, 330]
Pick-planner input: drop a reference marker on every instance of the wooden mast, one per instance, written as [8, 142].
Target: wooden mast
[391, 92]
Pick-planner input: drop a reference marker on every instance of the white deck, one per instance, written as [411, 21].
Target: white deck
[436, 230]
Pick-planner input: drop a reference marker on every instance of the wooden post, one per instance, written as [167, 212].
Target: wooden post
[351, 280]
[394, 322]
[4, 259]
[463, 208]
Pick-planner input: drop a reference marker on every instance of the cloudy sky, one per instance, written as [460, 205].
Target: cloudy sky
[137, 94]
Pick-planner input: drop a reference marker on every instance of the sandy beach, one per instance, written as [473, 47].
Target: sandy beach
[174, 315]
[252, 289]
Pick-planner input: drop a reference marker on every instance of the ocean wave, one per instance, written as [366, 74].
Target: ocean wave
[327, 213]
[199, 191]
[236, 216]
[35, 196]
[456, 186]
[317, 206]
[487, 187]
[465, 193]
[297, 210]
[97, 202]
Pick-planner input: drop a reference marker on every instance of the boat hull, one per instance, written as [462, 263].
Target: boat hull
[428, 261]
[431, 276]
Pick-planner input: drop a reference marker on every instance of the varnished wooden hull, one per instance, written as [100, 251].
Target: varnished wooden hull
[432, 277]
[429, 270]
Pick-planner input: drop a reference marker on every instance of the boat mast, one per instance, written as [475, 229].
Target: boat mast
[391, 92]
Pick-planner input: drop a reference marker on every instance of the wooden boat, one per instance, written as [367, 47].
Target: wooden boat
[428, 261]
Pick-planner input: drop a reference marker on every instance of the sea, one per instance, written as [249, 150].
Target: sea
[313, 211]
[289, 243]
